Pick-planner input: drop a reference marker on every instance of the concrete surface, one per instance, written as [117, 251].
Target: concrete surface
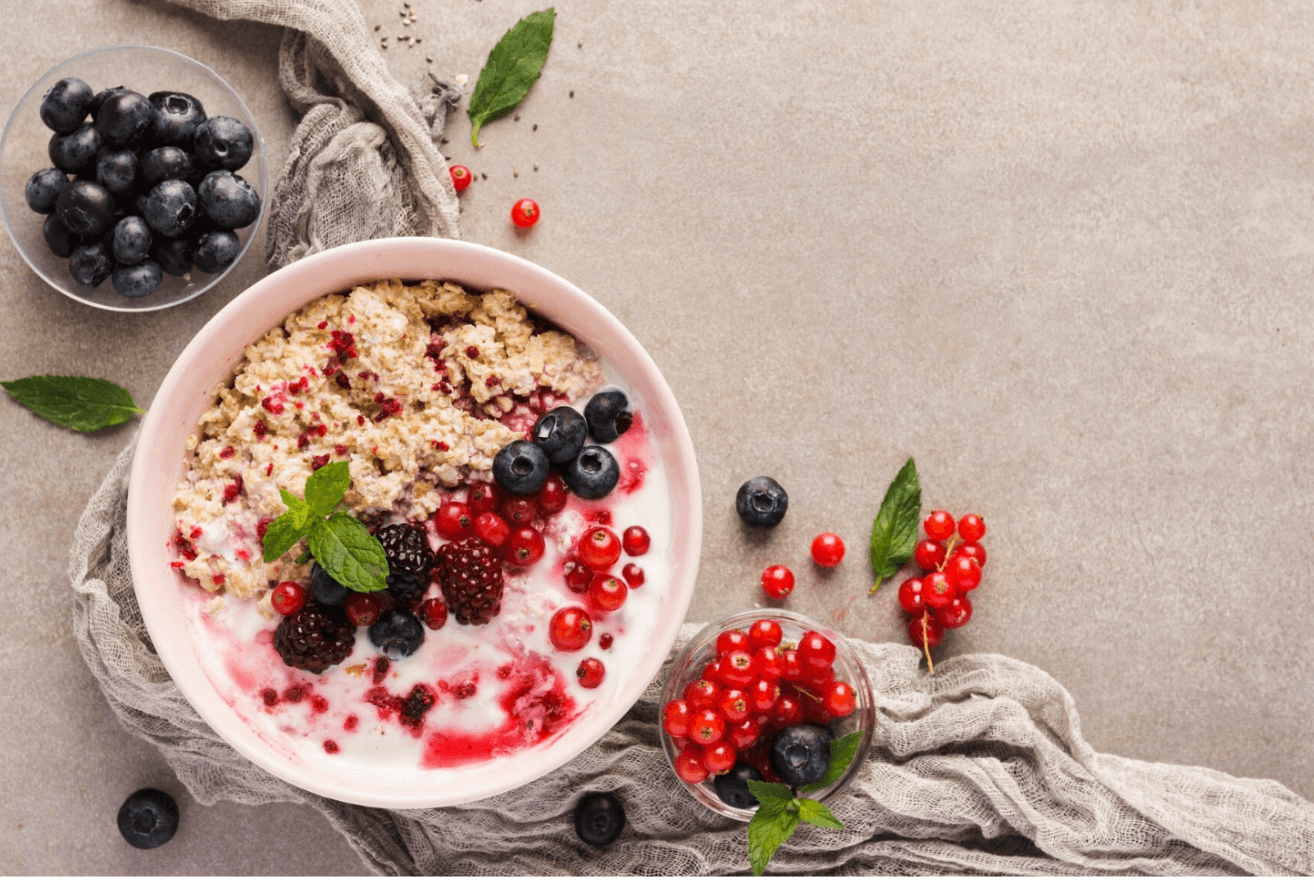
[1060, 253]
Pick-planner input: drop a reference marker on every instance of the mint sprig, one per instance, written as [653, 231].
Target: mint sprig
[894, 531]
[338, 541]
[512, 67]
[780, 810]
[84, 404]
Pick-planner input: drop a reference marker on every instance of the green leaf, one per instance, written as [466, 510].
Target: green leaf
[85, 404]
[298, 509]
[512, 67]
[842, 751]
[771, 826]
[816, 813]
[282, 533]
[894, 532]
[765, 791]
[326, 486]
[348, 552]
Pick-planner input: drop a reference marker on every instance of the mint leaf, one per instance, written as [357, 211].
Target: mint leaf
[511, 69]
[282, 533]
[767, 791]
[84, 404]
[816, 813]
[326, 486]
[842, 751]
[353, 557]
[894, 532]
[770, 827]
[298, 509]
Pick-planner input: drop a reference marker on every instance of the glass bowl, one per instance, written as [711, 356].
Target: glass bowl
[688, 668]
[24, 150]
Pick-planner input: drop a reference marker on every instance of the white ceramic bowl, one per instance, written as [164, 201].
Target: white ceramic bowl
[188, 390]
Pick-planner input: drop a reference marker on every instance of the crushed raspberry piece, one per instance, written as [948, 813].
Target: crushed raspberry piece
[299, 404]
[351, 723]
[269, 470]
[319, 460]
[351, 319]
[262, 526]
[218, 579]
[302, 441]
[416, 705]
[319, 430]
[260, 429]
[183, 545]
[296, 692]
[243, 554]
[330, 746]
[298, 386]
[271, 406]
[177, 564]
[270, 696]
[472, 351]
[342, 381]
[465, 690]
[340, 450]
[381, 666]
[360, 420]
[445, 388]
[493, 380]
[342, 344]
[319, 704]
[227, 452]
[443, 446]
[322, 325]
[195, 533]
[233, 490]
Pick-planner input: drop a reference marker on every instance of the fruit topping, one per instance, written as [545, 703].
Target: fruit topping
[363, 609]
[470, 575]
[590, 673]
[593, 473]
[65, 105]
[433, 612]
[599, 548]
[288, 598]
[409, 560]
[315, 638]
[732, 786]
[777, 582]
[570, 629]
[827, 549]
[800, 754]
[223, 142]
[607, 415]
[607, 593]
[524, 546]
[175, 118]
[397, 634]
[761, 502]
[326, 591]
[599, 818]
[148, 818]
[635, 540]
[560, 433]
[521, 467]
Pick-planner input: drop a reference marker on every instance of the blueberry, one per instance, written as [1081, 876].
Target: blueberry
[171, 207]
[85, 207]
[139, 280]
[560, 433]
[599, 818]
[116, 169]
[44, 187]
[521, 468]
[228, 200]
[215, 250]
[131, 241]
[761, 502]
[65, 105]
[223, 142]
[173, 254]
[76, 151]
[100, 98]
[166, 162]
[326, 591]
[732, 787]
[148, 818]
[607, 416]
[175, 118]
[592, 474]
[91, 264]
[397, 633]
[124, 118]
[800, 754]
[58, 237]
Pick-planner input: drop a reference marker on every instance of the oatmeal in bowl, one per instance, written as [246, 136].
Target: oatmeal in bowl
[505, 453]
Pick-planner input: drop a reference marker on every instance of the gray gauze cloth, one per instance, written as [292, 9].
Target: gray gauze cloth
[980, 768]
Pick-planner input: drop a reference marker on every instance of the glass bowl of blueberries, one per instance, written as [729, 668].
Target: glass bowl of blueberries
[766, 695]
[132, 178]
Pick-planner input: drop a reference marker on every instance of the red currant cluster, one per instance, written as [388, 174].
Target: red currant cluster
[952, 557]
[753, 687]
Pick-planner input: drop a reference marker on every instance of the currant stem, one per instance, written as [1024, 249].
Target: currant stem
[949, 546]
[930, 665]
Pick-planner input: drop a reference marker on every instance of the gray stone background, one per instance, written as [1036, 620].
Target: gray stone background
[1060, 253]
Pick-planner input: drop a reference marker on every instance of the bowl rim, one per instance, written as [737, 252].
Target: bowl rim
[251, 230]
[144, 550]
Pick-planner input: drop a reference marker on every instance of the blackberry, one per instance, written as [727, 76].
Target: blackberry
[409, 561]
[314, 638]
[470, 574]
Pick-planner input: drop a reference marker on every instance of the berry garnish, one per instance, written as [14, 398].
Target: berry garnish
[839, 699]
[971, 528]
[599, 819]
[578, 576]
[570, 629]
[521, 468]
[702, 693]
[689, 766]
[926, 631]
[956, 613]
[732, 787]
[607, 415]
[777, 582]
[938, 590]
[939, 525]
[363, 609]
[791, 665]
[635, 540]
[633, 575]
[929, 554]
[770, 663]
[912, 596]
[397, 634]
[765, 633]
[963, 572]
[719, 758]
[552, 496]
[788, 710]
[288, 598]
[524, 546]
[315, 638]
[461, 177]
[483, 497]
[409, 560]
[817, 653]
[707, 726]
[519, 510]
[737, 668]
[974, 550]
[470, 575]
[148, 818]
[590, 673]
[599, 548]
[433, 612]
[762, 695]
[525, 213]
[761, 502]
[800, 754]
[675, 717]
[744, 734]
[827, 549]
[733, 704]
[607, 592]
[491, 528]
[732, 640]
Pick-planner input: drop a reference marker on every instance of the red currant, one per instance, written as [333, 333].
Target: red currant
[605, 641]
[633, 575]
[762, 695]
[963, 572]
[733, 703]
[689, 766]
[778, 582]
[956, 613]
[827, 549]
[765, 633]
[525, 213]
[288, 598]
[788, 710]
[461, 177]
[635, 540]
[939, 525]
[719, 758]
[743, 735]
[570, 629]
[675, 717]
[552, 496]
[737, 668]
[934, 631]
[363, 609]
[929, 554]
[607, 592]
[707, 726]
[770, 663]
[839, 699]
[971, 528]
[578, 576]
[702, 694]
[483, 497]
[524, 546]
[454, 521]
[817, 652]
[590, 673]
[433, 612]
[732, 640]
[912, 596]
[491, 529]
[599, 548]
[973, 550]
[712, 671]
[791, 665]
[519, 511]
[938, 590]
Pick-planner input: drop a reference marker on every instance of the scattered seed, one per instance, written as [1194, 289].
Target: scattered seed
[377, 27]
[536, 166]
[517, 117]
[535, 127]
[483, 175]
[429, 59]
[515, 173]
[580, 44]
[572, 94]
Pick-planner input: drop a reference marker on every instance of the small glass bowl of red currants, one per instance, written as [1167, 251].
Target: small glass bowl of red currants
[743, 680]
